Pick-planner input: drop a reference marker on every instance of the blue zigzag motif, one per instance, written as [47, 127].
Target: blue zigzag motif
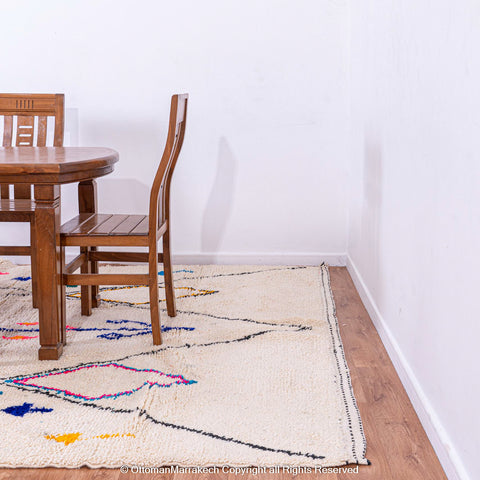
[133, 329]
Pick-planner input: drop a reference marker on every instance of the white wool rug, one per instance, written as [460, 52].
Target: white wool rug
[251, 373]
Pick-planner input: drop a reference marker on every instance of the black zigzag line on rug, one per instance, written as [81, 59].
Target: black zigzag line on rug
[73, 296]
[243, 273]
[299, 327]
[140, 354]
[248, 320]
[143, 413]
[26, 293]
[349, 380]
[217, 317]
[161, 283]
[20, 292]
[174, 426]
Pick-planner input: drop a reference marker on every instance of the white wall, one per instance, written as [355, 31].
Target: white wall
[414, 212]
[263, 172]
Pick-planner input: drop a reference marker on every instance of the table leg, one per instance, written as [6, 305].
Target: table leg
[51, 292]
[87, 203]
[33, 265]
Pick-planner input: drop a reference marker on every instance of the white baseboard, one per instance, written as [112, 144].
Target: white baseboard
[441, 442]
[338, 259]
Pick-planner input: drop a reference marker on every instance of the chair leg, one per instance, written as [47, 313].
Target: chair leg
[153, 291]
[87, 203]
[63, 298]
[168, 276]
[33, 265]
[86, 290]
[95, 288]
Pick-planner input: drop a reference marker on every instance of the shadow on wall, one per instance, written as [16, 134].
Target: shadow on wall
[220, 200]
[372, 198]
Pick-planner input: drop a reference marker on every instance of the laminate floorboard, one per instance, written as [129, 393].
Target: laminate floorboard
[397, 444]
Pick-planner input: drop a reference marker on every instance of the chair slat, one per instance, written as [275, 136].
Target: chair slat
[5, 191]
[106, 227]
[42, 131]
[22, 191]
[7, 130]
[141, 228]
[74, 223]
[24, 131]
[93, 221]
[128, 225]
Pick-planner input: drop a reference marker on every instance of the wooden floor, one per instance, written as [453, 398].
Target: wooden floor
[397, 445]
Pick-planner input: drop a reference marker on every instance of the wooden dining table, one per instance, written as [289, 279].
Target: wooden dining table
[47, 168]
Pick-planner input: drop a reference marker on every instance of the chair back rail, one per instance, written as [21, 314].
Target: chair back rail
[27, 107]
[160, 193]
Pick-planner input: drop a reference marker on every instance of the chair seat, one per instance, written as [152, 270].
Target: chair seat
[17, 205]
[100, 225]
[16, 210]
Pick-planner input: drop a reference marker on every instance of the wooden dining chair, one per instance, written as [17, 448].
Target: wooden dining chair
[101, 230]
[28, 113]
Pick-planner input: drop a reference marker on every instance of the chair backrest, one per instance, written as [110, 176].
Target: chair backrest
[160, 192]
[29, 133]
